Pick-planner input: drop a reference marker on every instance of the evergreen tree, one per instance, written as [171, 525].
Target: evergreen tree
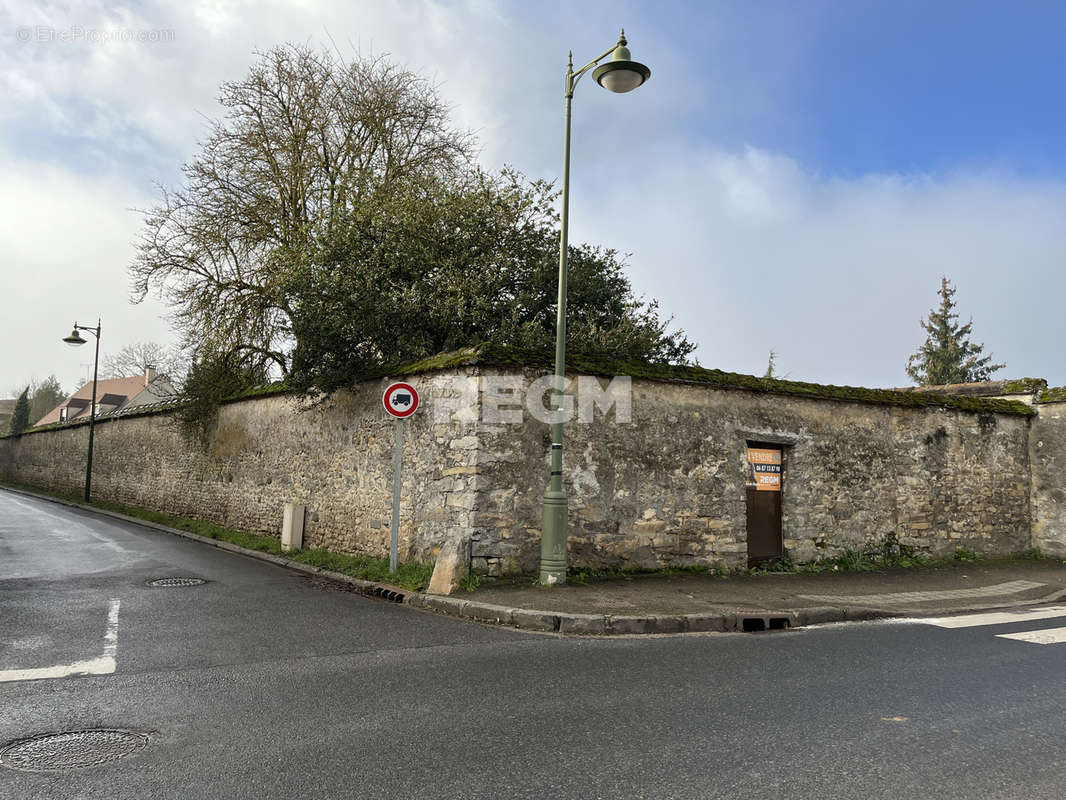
[948, 355]
[45, 396]
[20, 419]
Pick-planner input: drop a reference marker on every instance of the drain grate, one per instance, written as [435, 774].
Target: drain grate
[760, 624]
[365, 588]
[53, 752]
[170, 583]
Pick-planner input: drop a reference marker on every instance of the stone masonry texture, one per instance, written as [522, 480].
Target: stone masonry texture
[668, 488]
[1047, 452]
[665, 489]
[336, 458]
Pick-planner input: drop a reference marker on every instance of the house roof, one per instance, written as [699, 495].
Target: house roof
[127, 388]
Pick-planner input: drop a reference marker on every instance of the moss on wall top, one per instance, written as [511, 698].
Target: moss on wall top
[1027, 386]
[1053, 395]
[1024, 386]
[494, 356]
[488, 355]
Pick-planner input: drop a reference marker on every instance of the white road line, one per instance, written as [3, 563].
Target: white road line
[104, 665]
[1047, 636]
[996, 590]
[995, 618]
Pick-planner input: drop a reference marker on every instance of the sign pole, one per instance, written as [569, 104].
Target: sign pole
[397, 468]
[400, 401]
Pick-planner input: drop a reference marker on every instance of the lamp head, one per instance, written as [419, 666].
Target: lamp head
[74, 338]
[621, 74]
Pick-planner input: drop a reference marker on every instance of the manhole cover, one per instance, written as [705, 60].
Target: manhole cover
[167, 583]
[52, 752]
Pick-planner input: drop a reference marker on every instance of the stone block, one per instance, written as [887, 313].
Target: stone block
[711, 622]
[535, 620]
[583, 624]
[452, 606]
[632, 625]
[483, 612]
[452, 566]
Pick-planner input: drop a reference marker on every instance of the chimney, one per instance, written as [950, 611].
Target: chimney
[149, 374]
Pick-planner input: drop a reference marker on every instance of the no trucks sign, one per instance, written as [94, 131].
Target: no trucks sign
[400, 400]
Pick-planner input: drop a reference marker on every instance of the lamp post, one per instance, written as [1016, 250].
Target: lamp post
[621, 74]
[76, 340]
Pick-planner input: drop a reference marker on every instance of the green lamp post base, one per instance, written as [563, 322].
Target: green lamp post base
[553, 538]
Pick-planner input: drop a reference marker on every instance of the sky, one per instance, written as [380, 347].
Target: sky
[795, 176]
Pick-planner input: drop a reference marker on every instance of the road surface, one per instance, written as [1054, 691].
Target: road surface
[262, 683]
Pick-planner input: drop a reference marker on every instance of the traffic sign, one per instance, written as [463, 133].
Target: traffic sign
[400, 400]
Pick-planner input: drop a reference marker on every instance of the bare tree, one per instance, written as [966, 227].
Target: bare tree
[306, 141]
[134, 359]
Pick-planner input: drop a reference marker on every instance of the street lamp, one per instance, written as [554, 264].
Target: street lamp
[76, 340]
[621, 74]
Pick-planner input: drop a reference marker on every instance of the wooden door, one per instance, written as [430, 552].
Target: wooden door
[764, 526]
[764, 485]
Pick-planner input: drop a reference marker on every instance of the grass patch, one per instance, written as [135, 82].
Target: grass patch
[411, 575]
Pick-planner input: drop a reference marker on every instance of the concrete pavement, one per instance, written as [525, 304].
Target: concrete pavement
[681, 603]
[266, 683]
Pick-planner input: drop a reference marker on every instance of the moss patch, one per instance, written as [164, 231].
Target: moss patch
[1055, 395]
[490, 355]
[605, 366]
[1024, 386]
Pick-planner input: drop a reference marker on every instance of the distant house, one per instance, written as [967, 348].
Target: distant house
[113, 395]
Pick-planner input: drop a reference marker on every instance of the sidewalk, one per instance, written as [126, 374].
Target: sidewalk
[687, 603]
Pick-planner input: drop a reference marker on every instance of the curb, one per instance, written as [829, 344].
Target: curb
[561, 622]
[572, 624]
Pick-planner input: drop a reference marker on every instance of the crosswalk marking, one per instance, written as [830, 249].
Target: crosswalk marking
[1047, 636]
[996, 590]
[102, 665]
[996, 618]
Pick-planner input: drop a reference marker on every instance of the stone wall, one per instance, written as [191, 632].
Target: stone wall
[669, 487]
[666, 488]
[1047, 452]
[336, 458]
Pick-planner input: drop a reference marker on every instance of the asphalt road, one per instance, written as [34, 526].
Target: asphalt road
[261, 684]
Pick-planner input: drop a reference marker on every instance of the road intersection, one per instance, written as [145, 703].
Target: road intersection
[260, 682]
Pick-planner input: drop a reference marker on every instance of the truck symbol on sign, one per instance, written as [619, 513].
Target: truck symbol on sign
[401, 399]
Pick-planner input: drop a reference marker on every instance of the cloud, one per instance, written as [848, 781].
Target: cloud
[752, 252]
[65, 241]
[750, 247]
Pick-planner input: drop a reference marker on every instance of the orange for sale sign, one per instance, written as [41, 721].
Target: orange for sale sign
[765, 469]
[759, 455]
